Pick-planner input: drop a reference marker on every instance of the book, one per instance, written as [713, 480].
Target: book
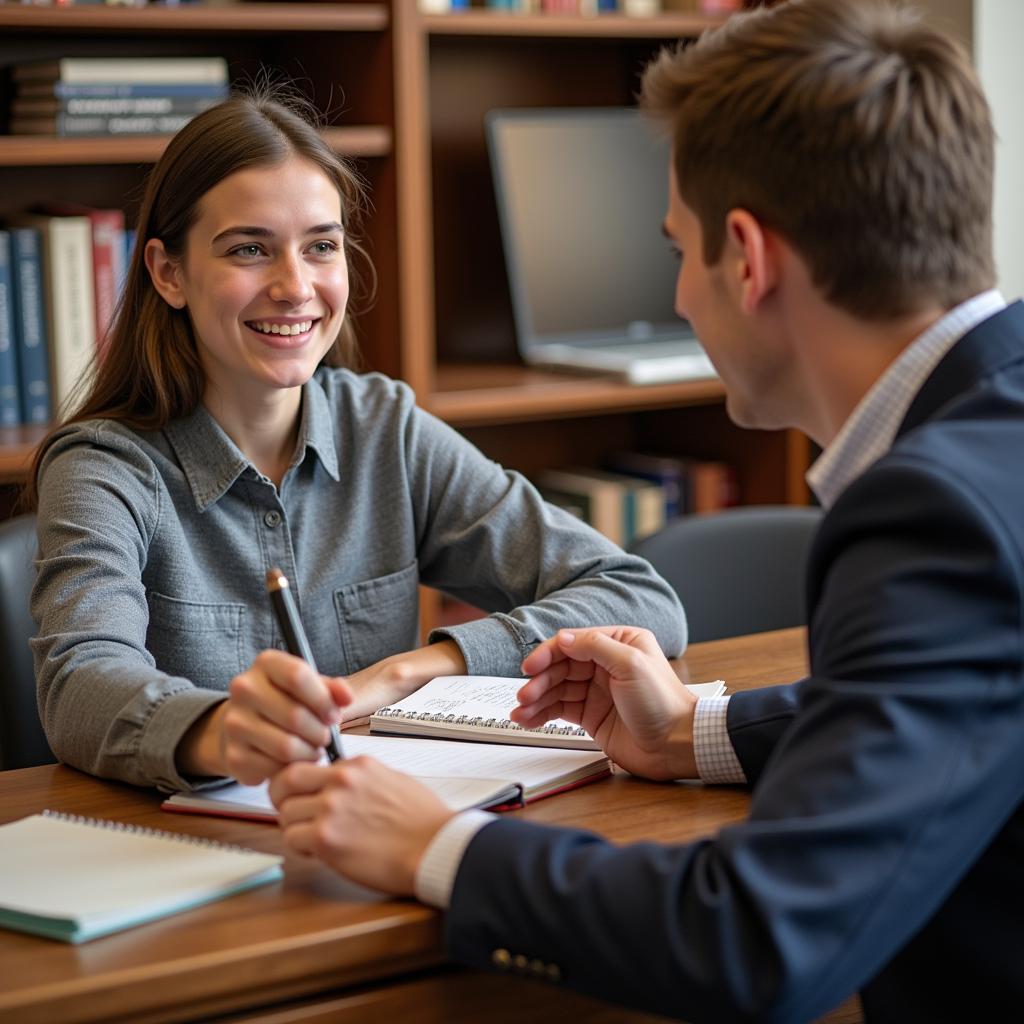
[121, 90]
[463, 775]
[108, 269]
[476, 708]
[30, 331]
[10, 404]
[100, 124]
[690, 485]
[70, 306]
[125, 70]
[73, 878]
[131, 106]
[599, 498]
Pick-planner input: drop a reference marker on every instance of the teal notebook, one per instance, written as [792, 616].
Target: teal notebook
[72, 878]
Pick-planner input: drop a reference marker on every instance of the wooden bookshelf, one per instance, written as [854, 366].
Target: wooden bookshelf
[485, 22]
[405, 94]
[45, 150]
[478, 395]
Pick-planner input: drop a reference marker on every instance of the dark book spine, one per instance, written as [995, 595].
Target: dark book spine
[10, 406]
[30, 325]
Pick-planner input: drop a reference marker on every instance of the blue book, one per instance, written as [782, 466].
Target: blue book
[128, 90]
[10, 407]
[30, 325]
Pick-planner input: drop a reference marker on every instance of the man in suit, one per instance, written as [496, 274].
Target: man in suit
[830, 198]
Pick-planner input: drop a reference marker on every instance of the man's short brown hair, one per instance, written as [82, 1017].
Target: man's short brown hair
[859, 134]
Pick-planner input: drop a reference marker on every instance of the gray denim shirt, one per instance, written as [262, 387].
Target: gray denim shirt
[153, 549]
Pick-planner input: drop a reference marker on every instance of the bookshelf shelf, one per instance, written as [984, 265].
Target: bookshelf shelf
[610, 26]
[478, 395]
[199, 18]
[37, 151]
[16, 447]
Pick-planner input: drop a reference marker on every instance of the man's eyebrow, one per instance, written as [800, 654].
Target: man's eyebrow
[252, 231]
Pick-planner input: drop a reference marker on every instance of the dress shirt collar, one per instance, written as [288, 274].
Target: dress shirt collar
[871, 428]
[212, 462]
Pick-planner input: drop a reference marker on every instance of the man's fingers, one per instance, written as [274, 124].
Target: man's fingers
[299, 779]
[620, 650]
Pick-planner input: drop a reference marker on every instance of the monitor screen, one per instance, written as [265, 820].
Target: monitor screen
[581, 196]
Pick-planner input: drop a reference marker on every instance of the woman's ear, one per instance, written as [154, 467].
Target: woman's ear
[165, 273]
[750, 252]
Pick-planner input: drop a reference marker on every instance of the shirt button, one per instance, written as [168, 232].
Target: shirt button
[272, 518]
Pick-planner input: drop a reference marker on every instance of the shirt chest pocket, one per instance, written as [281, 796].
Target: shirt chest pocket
[201, 641]
[378, 617]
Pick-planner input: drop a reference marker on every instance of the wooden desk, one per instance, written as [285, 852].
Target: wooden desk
[313, 948]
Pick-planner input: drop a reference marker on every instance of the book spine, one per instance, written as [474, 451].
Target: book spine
[72, 318]
[108, 107]
[124, 90]
[107, 255]
[10, 406]
[122, 70]
[30, 325]
[67, 125]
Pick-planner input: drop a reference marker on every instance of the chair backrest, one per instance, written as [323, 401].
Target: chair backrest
[737, 571]
[22, 741]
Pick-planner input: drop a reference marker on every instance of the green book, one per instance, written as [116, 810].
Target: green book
[72, 878]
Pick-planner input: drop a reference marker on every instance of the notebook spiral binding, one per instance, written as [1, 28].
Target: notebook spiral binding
[479, 722]
[144, 830]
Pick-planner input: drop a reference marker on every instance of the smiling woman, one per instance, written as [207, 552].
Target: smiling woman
[223, 434]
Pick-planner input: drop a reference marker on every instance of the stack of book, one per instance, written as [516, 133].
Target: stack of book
[637, 494]
[102, 96]
[61, 274]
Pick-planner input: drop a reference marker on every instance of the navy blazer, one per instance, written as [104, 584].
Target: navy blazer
[884, 850]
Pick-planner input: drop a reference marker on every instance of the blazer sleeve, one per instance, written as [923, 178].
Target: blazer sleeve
[897, 765]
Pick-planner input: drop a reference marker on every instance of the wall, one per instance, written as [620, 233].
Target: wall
[998, 30]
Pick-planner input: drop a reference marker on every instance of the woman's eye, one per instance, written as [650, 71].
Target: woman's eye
[246, 250]
[324, 247]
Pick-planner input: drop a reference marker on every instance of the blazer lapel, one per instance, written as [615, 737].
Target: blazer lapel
[992, 345]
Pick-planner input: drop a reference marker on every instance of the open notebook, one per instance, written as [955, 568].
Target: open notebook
[463, 775]
[73, 878]
[477, 707]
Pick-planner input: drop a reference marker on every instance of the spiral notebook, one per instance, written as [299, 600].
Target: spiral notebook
[72, 878]
[477, 707]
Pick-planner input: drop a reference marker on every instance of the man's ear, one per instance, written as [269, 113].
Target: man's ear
[165, 273]
[749, 251]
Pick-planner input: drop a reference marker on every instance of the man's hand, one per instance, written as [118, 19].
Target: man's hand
[367, 822]
[617, 684]
[278, 711]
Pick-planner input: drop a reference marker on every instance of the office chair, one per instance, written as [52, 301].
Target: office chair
[22, 741]
[736, 571]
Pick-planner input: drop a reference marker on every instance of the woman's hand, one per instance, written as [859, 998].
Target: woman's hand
[617, 684]
[391, 679]
[278, 711]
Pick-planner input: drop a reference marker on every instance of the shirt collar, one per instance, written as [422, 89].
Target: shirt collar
[869, 431]
[212, 462]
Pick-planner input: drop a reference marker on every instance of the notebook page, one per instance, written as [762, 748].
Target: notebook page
[60, 868]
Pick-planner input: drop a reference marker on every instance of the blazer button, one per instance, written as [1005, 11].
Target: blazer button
[554, 973]
[502, 959]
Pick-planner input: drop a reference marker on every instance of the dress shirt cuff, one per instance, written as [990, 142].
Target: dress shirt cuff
[712, 749]
[439, 865]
